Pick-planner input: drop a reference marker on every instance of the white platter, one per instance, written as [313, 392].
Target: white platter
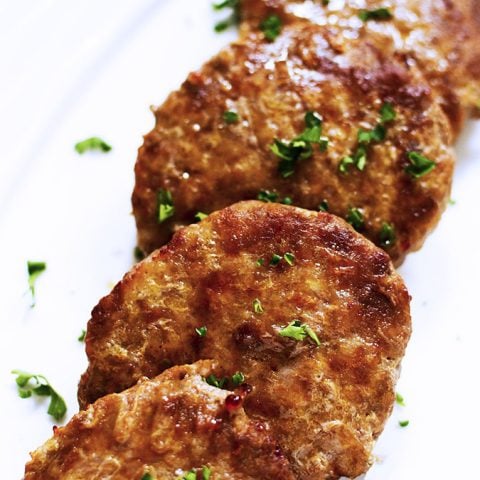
[70, 70]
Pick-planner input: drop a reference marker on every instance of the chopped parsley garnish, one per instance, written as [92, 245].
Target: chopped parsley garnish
[192, 474]
[166, 209]
[365, 138]
[400, 400]
[323, 207]
[356, 218]
[199, 216]
[376, 14]
[289, 258]
[419, 165]
[206, 472]
[301, 147]
[93, 143]
[230, 117]
[387, 235]
[275, 260]
[138, 254]
[81, 338]
[28, 384]
[271, 27]
[147, 476]
[272, 197]
[238, 378]
[257, 306]
[201, 331]
[299, 331]
[404, 423]
[260, 262]
[233, 19]
[35, 269]
[216, 382]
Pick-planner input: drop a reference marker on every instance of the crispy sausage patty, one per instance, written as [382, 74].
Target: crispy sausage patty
[310, 311]
[199, 158]
[165, 427]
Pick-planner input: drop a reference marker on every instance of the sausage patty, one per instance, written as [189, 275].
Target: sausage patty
[311, 312]
[304, 120]
[165, 427]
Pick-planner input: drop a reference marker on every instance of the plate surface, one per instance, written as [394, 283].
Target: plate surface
[71, 70]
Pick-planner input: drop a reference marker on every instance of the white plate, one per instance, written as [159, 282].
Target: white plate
[75, 69]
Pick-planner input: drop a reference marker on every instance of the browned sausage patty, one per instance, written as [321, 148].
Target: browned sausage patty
[205, 161]
[165, 427]
[310, 311]
[442, 37]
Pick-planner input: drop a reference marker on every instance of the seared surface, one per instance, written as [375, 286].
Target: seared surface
[326, 404]
[442, 37]
[207, 164]
[165, 427]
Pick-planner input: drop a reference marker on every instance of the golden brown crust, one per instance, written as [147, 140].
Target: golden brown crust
[207, 164]
[326, 404]
[442, 37]
[165, 427]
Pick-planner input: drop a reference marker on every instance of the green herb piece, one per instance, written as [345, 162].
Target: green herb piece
[138, 254]
[275, 260]
[230, 117]
[82, 336]
[360, 158]
[191, 475]
[267, 196]
[233, 19]
[400, 400]
[287, 201]
[356, 218]
[289, 258]
[452, 202]
[28, 384]
[377, 14]
[216, 382]
[387, 235]
[257, 306]
[206, 472]
[201, 331]
[344, 164]
[199, 216]
[299, 332]
[260, 262]
[301, 147]
[35, 269]
[387, 113]
[404, 423]
[92, 143]
[238, 378]
[166, 209]
[419, 165]
[325, 2]
[147, 476]
[271, 27]
[323, 207]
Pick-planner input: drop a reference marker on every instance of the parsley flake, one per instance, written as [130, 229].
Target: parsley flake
[376, 14]
[356, 218]
[400, 400]
[387, 113]
[230, 117]
[82, 336]
[138, 254]
[289, 258]
[166, 209]
[387, 235]
[92, 143]
[35, 269]
[419, 165]
[238, 378]
[275, 260]
[323, 207]
[28, 384]
[301, 147]
[299, 332]
[271, 27]
[230, 21]
[404, 423]
[199, 216]
[147, 476]
[257, 306]
[216, 382]
[267, 196]
[201, 331]
[260, 262]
